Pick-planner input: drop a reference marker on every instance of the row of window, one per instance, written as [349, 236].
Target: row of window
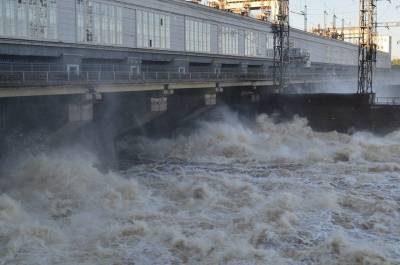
[252, 43]
[101, 23]
[228, 40]
[153, 30]
[197, 36]
[35, 19]
[98, 22]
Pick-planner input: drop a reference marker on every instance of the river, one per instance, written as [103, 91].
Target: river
[229, 192]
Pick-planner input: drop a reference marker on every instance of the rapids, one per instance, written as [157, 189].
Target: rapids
[229, 192]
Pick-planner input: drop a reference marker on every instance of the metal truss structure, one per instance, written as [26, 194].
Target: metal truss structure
[367, 47]
[281, 30]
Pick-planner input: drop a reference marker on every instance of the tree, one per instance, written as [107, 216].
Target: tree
[396, 61]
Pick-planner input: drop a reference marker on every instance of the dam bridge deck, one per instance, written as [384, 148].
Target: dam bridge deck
[37, 83]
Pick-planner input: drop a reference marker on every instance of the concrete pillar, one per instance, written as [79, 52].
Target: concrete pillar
[80, 112]
[82, 108]
[159, 104]
[210, 99]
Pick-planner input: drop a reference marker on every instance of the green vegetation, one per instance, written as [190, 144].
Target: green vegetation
[396, 61]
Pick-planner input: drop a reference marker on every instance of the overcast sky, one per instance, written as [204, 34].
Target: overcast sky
[347, 9]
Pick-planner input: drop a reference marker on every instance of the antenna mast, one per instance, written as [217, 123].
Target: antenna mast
[281, 30]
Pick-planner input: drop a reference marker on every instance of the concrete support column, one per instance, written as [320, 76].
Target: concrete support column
[210, 99]
[81, 110]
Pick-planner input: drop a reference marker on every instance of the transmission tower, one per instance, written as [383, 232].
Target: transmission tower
[367, 47]
[281, 30]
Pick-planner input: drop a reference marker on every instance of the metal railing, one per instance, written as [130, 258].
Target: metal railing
[18, 78]
[387, 101]
[46, 77]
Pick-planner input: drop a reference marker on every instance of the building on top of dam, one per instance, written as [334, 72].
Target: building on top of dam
[152, 35]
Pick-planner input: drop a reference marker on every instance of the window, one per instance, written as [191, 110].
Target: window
[10, 17]
[104, 25]
[99, 23]
[52, 12]
[153, 30]
[80, 14]
[22, 19]
[35, 19]
[270, 45]
[197, 36]
[96, 23]
[252, 42]
[118, 19]
[228, 40]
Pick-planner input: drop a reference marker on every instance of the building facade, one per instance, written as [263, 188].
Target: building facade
[170, 26]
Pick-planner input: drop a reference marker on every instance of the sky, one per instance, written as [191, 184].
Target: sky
[347, 9]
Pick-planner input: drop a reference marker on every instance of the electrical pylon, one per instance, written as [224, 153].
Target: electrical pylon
[281, 30]
[367, 47]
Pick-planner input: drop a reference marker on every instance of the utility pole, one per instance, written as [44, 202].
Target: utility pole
[281, 30]
[305, 13]
[367, 47]
[334, 22]
[325, 14]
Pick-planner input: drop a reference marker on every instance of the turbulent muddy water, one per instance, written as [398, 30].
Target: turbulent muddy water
[229, 192]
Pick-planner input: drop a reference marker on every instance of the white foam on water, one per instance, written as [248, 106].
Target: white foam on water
[231, 192]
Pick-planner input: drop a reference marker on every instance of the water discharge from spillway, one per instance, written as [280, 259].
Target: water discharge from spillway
[229, 192]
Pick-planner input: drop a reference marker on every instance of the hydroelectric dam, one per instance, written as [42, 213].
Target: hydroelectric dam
[122, 64]
[166, 132]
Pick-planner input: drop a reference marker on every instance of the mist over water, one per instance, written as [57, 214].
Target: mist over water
[231, 191]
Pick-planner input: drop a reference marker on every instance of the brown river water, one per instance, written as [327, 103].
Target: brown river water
[229, 192]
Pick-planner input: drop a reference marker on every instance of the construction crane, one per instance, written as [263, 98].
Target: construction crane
[281, 30]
